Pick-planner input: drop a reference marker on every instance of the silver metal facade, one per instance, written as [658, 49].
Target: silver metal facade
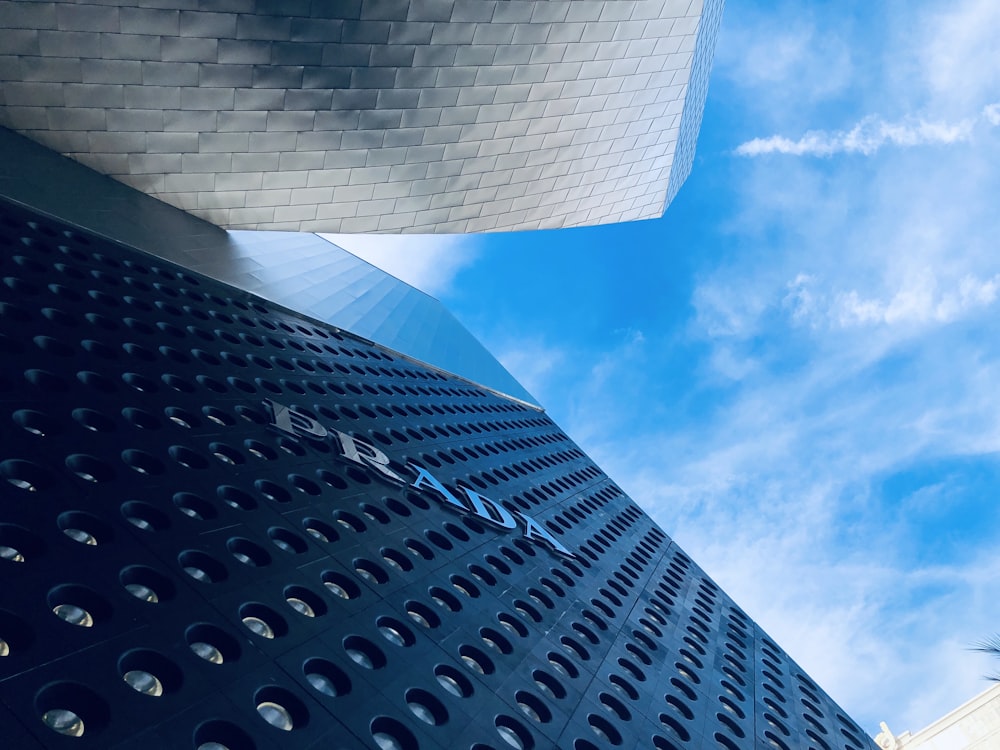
[365, 115]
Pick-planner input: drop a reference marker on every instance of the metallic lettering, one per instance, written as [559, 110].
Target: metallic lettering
[534, 531]
[425, 478]
[366, 454]
[294, 422]
[490, 511]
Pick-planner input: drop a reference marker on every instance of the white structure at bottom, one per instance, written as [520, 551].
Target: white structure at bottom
[975, 725]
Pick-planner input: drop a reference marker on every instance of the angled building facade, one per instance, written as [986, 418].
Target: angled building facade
[228, 525]
[370, 115]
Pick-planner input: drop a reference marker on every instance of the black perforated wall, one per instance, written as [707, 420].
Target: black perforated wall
[178, 572]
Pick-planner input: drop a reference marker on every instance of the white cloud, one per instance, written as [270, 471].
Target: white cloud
[919, 302]
[782, 63]
[533, 363]
[922, 298]
[427, 262]
[955, 49]
[870, 135]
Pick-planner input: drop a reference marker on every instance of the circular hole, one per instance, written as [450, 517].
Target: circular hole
[349, 521]
[562, 665]
[259, 450]
[226, 454]
[548, 684]
[453, 681]
[363, 652]
[340, 585]
[512, 624]
[211, 384]
[304, 601]
[84, 528]
[49, 383]
[526, 610]
[445, 599]
[304, 485]
[614, 706]
[18, 545]
[221, 735]
[475, 660]
[422, 614]
[144, 516]
[575, 647]
[731, 725]
[89, 469]
[670, 723]
[271, 491]
[533, 707]
[426, 707]
[513, 733]
[248, 552]
[373, 513]
[418, 549]
[280, 708]
[187, 457]
[141, 419]
[390, 734]
[261, 620]
[395, 632]
[494, 640]
[286, 541]
[624, 686]
[464, 586]
[149, 672]
[78, 605]
[370, 572]
[193, 506]
[604, 729]
[71, 709]
[146, 584]
[35, 422]
[320, 530]
[139, 383]
[396, 559]
[212, 644]
[15, 634]
[326, 677]
[202, 567]
[181, 418]
[291, 447]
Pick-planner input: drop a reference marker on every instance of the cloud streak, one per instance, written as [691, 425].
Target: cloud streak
[924, 298]
[870, 135]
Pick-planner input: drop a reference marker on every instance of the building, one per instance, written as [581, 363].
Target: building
[975, 725]
[258, 494]
[228, 524]
[370, 115]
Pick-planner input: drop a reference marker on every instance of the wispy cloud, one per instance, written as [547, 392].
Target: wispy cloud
[922, 298]
[428, 262]
[871, 134]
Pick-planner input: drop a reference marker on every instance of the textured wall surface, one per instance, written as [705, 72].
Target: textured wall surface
[298, 270]
[177, 574]
[370, 115]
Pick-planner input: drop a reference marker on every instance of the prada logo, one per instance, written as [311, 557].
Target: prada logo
[290, 420]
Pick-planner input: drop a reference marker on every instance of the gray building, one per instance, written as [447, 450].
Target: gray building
[370, 115]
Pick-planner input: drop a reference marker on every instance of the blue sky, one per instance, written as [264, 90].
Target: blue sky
[796, 370]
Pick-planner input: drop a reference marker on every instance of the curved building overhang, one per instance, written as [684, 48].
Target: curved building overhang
[370, 116]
